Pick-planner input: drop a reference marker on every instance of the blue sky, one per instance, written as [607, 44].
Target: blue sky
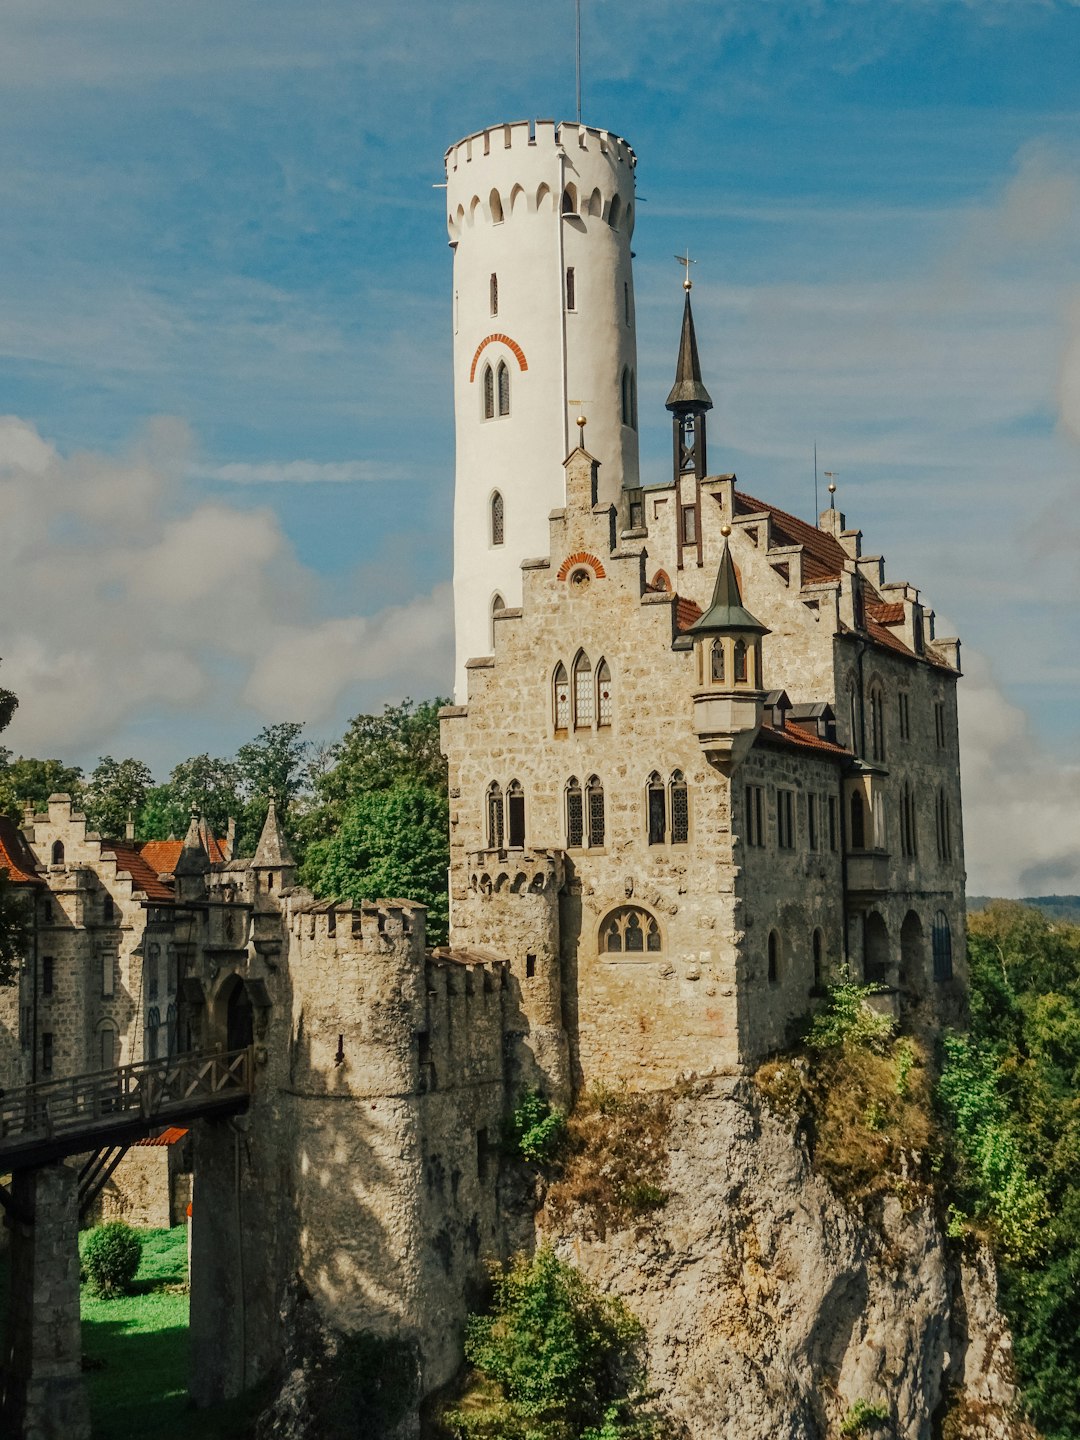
[225, 479]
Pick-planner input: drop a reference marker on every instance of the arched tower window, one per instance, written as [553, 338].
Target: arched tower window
[569, 200]
[498, 605]
[629, 930]
[718, 662]
[495, 816]
[941, 942]
[561, 695]
[774, 957]
[583, 692]
[603, 694]
[493, 293]
[58, 852]
[614, 212]
[739, 666]
[877, 724]
[657, 814]
[515, 815]
[498, 511]
[594, 809]
[488, 388]
[680, 809]
[504, 388]
[495, 205]
[575, 815]
[858, 821]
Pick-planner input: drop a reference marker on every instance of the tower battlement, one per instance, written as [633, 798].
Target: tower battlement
[517, 872]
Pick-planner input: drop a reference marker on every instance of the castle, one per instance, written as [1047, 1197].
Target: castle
[703, 759]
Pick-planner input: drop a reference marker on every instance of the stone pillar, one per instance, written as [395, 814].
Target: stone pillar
[44, 1394]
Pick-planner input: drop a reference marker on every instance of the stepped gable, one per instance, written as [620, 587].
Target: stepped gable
[143, 877]
[823, 559]
[16, 857]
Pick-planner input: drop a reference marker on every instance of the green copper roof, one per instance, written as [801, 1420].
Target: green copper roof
[688, 392]
[727, 611]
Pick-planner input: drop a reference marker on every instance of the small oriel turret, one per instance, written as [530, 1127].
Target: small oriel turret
[727, 652]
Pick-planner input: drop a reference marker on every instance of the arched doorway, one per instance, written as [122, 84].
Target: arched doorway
[875, 950]
[239, 1018]
[912, 962]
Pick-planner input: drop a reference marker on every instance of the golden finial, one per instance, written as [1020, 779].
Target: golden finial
[581, 425]
[687, 283]
[725, 529]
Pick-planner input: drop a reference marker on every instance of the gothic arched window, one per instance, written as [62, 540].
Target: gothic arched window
[877, 724]
[594, 796]
[657, 813]
[739, 667]
[680, 809]
[630, 930]
[583, 692]
[941, 942]
[718, 662]
[603, 694]
[489, 393]
[498, 512]
[494, 816]
[515, 815]
[498, 605]
[153, 1025]
[575, 815]
[561, 690]
[504, 388]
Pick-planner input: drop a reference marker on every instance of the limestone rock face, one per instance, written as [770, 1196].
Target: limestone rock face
[771, 1309]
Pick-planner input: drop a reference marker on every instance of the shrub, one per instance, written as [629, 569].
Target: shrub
[864, 1415]
[848, 1021]
[535, 1130]
[110, 1256]
[614, 1162]
[555, 1360]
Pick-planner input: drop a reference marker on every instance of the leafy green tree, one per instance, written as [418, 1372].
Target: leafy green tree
[14, 929]
[27, 781]
[115, 790]
[272, 763]
[557, 1360]
[9, 703]
[211, 785]
[380, 751]
[391, 844]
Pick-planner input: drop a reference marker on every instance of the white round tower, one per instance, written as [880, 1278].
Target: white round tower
[540, 220]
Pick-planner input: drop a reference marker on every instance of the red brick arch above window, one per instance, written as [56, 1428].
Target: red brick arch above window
[512, 345]
[582, 557]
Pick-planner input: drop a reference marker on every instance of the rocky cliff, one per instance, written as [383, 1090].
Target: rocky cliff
[773, 1311]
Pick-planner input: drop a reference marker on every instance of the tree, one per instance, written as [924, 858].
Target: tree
[211, 785]
[392, 844]
[272, 763]
[115, 790]
[379, 751]
[8, 705]
[26, 781]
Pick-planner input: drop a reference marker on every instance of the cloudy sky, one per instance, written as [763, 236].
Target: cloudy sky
[226, 462]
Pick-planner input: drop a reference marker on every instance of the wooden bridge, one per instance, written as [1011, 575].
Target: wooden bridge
[101, 1113]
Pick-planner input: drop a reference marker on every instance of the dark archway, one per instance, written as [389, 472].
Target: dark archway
[240, 1018]
[912, 962]
[875, 950]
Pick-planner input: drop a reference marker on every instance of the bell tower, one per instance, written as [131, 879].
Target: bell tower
[540, 218]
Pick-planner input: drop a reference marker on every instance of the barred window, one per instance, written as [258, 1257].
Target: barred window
[680, 809]
[583, 692]
[498, 512]
[630, 930]
[575, 822]
[656, 809]
[504, 388]
[494, 816]
[603, 694]
[594, 791]
[718, 662]
[941, 944]
[489, 393]
[562, 698]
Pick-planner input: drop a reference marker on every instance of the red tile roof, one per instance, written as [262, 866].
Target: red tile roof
[143, 877]
[162, 855]
[686, 612]
[823, 558]
[16, 857]
[802, 739]
[886, 612]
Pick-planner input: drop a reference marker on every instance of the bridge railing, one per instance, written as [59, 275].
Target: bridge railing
[140, 1091]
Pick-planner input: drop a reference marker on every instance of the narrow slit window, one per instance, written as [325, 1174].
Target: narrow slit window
[657, 810]
[489, 393]
[689, 525]
[498, 605]
[498, 518]
[515, 815]
[571, 289]
[626, 301]
[493, 293]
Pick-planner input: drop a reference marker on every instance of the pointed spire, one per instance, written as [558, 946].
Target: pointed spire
[727, 611]
[272, 851]
[688, 393]
[193, 859]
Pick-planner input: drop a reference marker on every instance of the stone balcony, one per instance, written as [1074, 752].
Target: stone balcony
[868, 872]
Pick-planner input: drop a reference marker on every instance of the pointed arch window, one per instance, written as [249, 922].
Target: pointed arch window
[498, 518]
[489, 393]
[630, 930]
[561, 691]
[603, 694]
[569, 200]
[739, 667]
[583, 692]
[498, 605]
[654, 792]
[941, 944]
[153, 1026]
[495, 834]
[717, 662]
[515, 815]
[909, 835]
[680, 808]
[858, 821]
[944, 826]
[594, 810]
[853, 720]
[504, 388]
[877, 724]
[575, 815]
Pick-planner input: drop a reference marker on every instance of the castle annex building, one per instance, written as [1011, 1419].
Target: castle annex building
[703, 759]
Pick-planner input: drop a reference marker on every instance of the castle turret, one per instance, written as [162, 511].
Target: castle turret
[273, 863]
[727, 646]
[540, 220]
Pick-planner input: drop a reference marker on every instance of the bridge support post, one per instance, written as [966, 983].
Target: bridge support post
[44, 1396]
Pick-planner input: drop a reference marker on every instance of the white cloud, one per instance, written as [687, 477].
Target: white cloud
[122, 597]
[304, 472]
[1021, 803]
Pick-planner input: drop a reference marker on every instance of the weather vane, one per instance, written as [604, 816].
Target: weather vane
[831, 476]
[685, 260]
